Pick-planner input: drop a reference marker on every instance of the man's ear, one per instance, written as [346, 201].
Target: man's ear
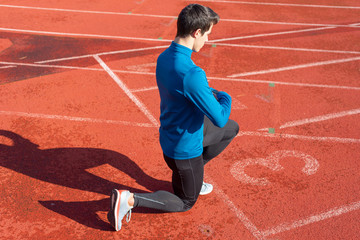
[197, 33]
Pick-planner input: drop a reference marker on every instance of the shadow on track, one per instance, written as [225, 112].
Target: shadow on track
[67, 167]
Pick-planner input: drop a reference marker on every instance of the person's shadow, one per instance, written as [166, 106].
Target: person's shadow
[67, 167]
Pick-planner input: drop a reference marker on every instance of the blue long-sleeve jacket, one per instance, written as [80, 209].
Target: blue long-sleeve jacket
[185, 98]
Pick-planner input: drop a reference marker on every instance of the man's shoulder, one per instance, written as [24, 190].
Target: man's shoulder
[194, 78]
[163, 54]
[195, 72]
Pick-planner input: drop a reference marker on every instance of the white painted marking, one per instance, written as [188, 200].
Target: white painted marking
[213, 78]
[76, 119]
[236, 104]
[133, 72]
[103, 53]
[171, 22]
[83, 35]
[238, 171]
[312, 219]
[144, 89]
[317, 119]
[320, 118]
[239, 214]
[264, 98]
[5, 67]
[291, 23]
[50, 66]
[286, 48]
[218, 44]
[173, 18]
[210, 78]
[284, 83]
[85, 11]
[272, 162]
[311, 164]
[270, 34]
[122, 85]
[307, 65]
[281, 33]
[141, 67]
[300, 137]
[283, 4]
[72, 68]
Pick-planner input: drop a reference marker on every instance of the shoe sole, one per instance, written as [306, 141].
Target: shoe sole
[207, 192]
[113, 215]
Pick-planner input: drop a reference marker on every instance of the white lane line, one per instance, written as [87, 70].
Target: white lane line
[307, 65]
[50, 66]
[76, 119]
[286, 48]
[312, 219]
[165, 16]
[210, 78]
[135, 72]
[83, 35]
[300, 137]
[237, 105]
[241, 133]
[122, 85]
[270, 34]
[5, 67]
[85, 11]
[218, 44]
[320, 118]
[144, 89]
[292, 23]
[239, 214]
[249, 81]
[103, 53]
[15, 64]
[284, 83]
[72, 68]
[283, 4]
[281, 33]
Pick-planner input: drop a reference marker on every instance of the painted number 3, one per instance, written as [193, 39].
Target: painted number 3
[271, 162]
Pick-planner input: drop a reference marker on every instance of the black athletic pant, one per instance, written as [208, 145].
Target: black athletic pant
[187, 177]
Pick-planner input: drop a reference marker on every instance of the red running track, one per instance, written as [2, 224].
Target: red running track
[71, 131]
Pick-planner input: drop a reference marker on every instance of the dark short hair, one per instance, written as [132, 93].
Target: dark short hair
[193, 17]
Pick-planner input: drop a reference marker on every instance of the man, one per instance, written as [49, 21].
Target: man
[195, 125]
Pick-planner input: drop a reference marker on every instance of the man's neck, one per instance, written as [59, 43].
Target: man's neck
[186, 41]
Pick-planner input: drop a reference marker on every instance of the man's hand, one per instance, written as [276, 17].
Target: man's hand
[215, 92]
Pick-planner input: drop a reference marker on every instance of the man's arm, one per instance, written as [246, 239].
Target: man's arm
[197, 90]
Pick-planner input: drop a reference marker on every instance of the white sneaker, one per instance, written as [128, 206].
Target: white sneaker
[206, 188]
[119, 207]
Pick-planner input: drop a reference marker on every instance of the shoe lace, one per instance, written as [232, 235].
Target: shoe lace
[128, 216]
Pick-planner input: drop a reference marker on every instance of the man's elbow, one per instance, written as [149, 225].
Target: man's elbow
[221, 123]
[220, 120]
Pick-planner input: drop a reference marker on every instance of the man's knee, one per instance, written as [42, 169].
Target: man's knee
[188, 204]
[234, 127]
